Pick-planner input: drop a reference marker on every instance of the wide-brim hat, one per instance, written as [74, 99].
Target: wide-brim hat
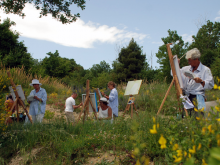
[35, 81]
[103, 99]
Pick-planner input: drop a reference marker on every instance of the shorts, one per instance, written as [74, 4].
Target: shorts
[70, 117]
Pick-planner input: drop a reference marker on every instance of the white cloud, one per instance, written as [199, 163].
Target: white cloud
[77, 34]
[187, 38]
[218, 18]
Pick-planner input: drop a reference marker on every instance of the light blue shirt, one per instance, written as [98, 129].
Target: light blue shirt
[37, 107]
[113, 101]
[191, 87]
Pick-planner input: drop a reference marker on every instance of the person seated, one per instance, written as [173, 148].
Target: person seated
[9, 103]
[105, 112]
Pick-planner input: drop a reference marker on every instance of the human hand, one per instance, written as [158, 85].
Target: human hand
[35, 97]
[197, 80]
[80, 104]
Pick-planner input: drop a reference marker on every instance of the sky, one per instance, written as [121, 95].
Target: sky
[106, 26]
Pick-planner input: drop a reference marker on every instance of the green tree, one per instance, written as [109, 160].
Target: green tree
[178, 48]
[130, 63]
[58, 8]
[99, 68]
[12, 52]
[207, 41]
[56, 66]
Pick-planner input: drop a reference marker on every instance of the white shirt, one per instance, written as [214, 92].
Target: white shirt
[190, 86]
[69, 104]
[104, 113]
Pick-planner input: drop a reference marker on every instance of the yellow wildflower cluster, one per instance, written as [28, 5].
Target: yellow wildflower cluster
[69, 92]
[53, 95]
[216, 87]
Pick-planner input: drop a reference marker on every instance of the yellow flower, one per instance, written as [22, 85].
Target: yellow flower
[158, 125]
[175, 147]
[215, 86]
[153, 131]
[193, 150]
[177, 159]
[198, 118]
[162, 142]
[203, 162]
[138, 162]
[185, 153]
[219, 87]
[210, 128]
[203, 130]
[218, 143]
[199, 146]
[218, 119]
[154, 120]
[136, 151]
[217, 108]
[195, 109]
[190, 155]
[179, 153]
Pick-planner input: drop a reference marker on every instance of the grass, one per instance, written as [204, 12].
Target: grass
[129, 141]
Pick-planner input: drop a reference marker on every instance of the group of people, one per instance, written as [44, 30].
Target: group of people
[108, 108]
[108, 105]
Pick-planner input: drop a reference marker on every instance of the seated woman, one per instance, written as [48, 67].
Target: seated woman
[9, 103]
[105, 112]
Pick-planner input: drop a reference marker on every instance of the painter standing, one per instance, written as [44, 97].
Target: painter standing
[37, 102]
[70, 105]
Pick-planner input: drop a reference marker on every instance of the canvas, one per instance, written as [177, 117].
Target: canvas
[177, 68]
[133, 87]
[93, 99]
[20, 92]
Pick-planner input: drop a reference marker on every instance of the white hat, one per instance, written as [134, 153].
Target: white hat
[35, 81]
[103, 99]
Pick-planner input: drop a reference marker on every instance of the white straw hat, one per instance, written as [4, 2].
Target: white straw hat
[35, 81]
[103, 99]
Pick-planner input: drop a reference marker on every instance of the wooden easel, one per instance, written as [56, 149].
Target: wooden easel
[86, 104]
[132, 106]
[17, 101]
[175, 80]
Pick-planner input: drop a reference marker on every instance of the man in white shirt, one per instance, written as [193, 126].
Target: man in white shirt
[70, 106]
[195, 88]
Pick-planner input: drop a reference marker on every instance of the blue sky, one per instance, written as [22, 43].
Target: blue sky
[105, 26]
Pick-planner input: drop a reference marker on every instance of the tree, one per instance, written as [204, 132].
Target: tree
[178, 48]
[130, 63]
[99, 68]
[58, 8]
[56, 66]
[207, 41]
[12, 52]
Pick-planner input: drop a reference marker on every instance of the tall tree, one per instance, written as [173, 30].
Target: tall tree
[130, 63]
[58, 8]
[178, 48]
[12, 52]
[99, 68]
[207, 41]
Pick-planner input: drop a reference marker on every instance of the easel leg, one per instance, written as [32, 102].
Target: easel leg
[165, 96]
[93, 109]
[131, 111]
[17, 108]
[127, 108]
[135, 110]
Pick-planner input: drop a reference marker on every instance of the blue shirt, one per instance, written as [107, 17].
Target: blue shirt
[37, 107]
[113, 101]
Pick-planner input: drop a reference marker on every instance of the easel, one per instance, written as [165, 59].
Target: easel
[17, 102]
[132, 106]
[175, 80]
[86, 104]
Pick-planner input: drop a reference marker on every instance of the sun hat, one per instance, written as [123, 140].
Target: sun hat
[35, 81]
[103, 99]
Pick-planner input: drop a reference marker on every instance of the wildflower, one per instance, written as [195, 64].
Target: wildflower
[138, 162]
[175, 147]
[198, 118]
[153, 131]
[162, 142]
[154, 120]
[179, 153]
[185, 153]
[136, 151]
[215, 86]
[177, 159]
[193, 150]
[218, 119]
[158, 125]
[210, 128]
[203, 130]
[199, 146]
[190, 155]
[203, 162]
[217, 108]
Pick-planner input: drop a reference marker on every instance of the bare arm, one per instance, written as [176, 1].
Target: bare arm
[77, 106]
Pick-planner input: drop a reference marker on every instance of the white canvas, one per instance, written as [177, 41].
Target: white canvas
[20, 92]
[133, 87]
[93, 99]
[177, 68]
